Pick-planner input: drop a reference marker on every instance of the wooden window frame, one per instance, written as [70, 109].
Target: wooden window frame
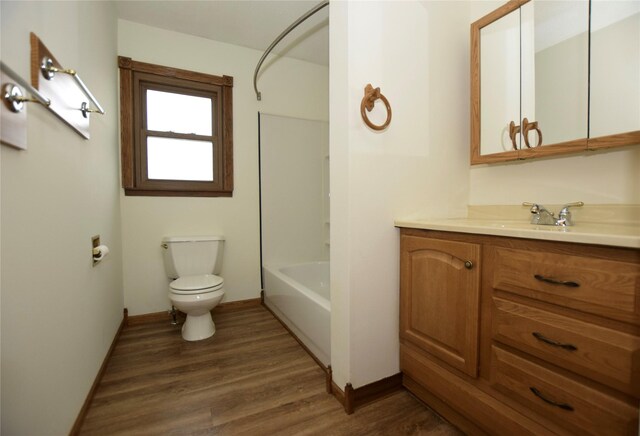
[135, 78]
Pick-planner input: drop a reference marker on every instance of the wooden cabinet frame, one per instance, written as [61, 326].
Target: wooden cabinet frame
[563, 148]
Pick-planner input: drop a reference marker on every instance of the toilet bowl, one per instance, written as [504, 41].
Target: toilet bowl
[194, 262]
[197, 296]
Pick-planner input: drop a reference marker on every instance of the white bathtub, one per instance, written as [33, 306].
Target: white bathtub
[299, 296]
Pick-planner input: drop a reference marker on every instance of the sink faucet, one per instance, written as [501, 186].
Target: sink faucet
[542, 216]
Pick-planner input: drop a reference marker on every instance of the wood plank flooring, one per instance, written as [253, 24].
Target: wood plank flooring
[250, 378]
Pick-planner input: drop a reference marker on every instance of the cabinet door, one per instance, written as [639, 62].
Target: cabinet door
[500, 84]
[439, 299]
[615, 68]
[555, 71]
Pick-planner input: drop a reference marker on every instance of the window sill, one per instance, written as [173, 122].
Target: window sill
[170, 193]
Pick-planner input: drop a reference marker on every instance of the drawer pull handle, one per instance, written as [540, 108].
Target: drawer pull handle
[468, 264]
[563, 406]
[556, 282]
[542, 338]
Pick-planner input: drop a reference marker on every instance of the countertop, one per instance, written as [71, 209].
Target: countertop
[612, 225]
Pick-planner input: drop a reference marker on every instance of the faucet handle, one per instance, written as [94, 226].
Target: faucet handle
[574, 204]
[564, 216]
[565, 209]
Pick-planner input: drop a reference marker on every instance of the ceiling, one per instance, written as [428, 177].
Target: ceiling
[248, 23]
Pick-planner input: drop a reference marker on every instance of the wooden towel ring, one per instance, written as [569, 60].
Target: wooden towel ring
[368, 101]
[513, 134]
[526, 128]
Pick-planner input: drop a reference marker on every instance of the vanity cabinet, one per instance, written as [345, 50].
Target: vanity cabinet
[551, 341]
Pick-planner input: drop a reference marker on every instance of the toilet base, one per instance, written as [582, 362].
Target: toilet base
[198, 327]
[199, 323]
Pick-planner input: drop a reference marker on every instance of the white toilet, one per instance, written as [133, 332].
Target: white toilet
[193, 261]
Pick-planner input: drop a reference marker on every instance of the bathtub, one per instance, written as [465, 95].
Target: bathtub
[299, 296]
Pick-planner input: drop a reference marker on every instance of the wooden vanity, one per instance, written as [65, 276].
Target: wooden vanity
[512, 335]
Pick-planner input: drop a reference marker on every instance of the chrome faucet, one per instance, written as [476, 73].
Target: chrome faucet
[542, 216]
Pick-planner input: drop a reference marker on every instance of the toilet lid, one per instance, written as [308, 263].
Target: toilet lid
[196, 283]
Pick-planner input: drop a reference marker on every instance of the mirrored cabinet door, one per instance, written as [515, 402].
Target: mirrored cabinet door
[500, 85]
[556, 80]
[533, 69]
[615, 68]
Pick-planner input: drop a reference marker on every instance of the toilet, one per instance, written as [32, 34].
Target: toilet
[193, 263]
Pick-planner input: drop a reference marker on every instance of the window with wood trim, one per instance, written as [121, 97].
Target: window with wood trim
[176, 131]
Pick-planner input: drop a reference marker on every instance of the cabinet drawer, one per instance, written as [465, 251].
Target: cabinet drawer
[603, 287]
[608, 356]
[569, 403]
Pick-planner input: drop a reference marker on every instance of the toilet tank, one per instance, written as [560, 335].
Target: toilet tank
[192, 255]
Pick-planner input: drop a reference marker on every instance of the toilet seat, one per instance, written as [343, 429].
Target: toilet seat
[199, 284]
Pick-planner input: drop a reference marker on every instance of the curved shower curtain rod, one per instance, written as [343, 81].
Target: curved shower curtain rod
[279, 38]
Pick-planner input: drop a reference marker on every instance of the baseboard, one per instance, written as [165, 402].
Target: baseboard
[148, 318]
[75, 430]
[379, 389]
[339, 395]
[352, 399]
[166, 315]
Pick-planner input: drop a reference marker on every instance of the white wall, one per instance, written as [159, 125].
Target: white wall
[595, 178]
[293, 160]
[289, 87]
[59, 314]
[418, 54]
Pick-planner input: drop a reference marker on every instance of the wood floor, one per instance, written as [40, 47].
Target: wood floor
[250, 378]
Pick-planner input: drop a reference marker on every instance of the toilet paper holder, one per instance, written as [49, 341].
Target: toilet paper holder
[98, 251]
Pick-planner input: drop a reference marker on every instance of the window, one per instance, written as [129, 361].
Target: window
[176, 131]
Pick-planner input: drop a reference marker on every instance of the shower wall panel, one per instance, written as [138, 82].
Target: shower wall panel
[294, 182]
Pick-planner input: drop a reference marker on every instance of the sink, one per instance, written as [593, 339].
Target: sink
[505, 224]
[604, 225]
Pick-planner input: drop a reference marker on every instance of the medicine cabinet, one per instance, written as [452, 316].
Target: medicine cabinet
[554, 77]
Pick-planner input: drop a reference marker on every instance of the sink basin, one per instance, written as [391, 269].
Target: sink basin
[506, 224]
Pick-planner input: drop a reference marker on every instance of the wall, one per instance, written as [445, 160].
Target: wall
[418, 166]
[294, 154]
[59, 313]
[289, 87]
